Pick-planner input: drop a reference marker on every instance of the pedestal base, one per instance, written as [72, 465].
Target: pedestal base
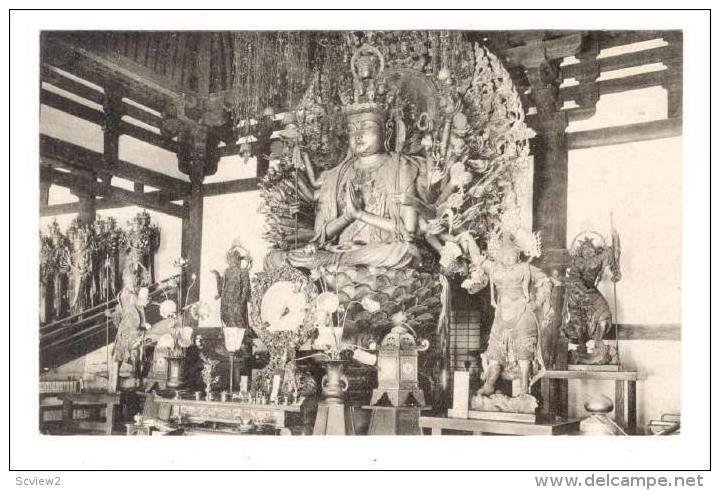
[394, 421]
[399, 397]
[594, 367]
[332, 419]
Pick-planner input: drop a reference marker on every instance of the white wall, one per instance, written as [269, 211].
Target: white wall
[227, 218]
[641, 184]
[69, 128]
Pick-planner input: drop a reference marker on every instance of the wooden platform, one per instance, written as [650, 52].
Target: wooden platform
[554, 393]
[479, 427]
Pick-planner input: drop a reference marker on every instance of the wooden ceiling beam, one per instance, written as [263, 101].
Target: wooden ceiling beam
[73, 207]
[665, 128]
[230, 187]
[101, 203]
[47, 74]
[611, 39]
[69, 106]
[136, 81]
[543, 50]
[75, 181]
[53, 150]
[89, 93]
[144, 200]
[614, 85]
[626, 60]
[148, 136]
[141, 115]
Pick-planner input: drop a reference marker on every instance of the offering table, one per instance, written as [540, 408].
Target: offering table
[232, 413]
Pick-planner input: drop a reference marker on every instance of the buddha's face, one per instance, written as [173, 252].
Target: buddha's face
[366, 135]
[508, 257]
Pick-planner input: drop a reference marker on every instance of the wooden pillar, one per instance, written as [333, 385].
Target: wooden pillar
[550, 160]
[550, 192]
[193, 156]
[191, 247]
[550, 184]
[673, 75]
[44, 192]
[586, 75]
[262, 146]
[112, 116]
[86, 197]
[540, 57]
[86, 210]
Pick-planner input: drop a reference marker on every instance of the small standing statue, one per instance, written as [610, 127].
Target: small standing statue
[61, 260]
[111, 258]
[233, 291]
[47, 275]
[129, 317]
[100, 262]
[234, 287]
[519, 293]
[81, 265]
[140, 244]
[586, 314]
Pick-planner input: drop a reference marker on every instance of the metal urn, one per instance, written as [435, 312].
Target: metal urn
[176, 372]
[334, 383]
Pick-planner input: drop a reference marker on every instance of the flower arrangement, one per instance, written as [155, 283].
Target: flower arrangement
[208, 372]
[330, 318]
[180, 336]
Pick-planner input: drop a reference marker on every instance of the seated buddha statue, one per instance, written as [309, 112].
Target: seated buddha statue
[362, 216]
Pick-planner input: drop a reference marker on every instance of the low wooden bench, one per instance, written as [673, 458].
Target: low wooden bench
[79, 400]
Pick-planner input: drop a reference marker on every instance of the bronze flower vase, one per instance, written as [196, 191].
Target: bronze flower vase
[334, 383]
[176, 372]
[332, 417]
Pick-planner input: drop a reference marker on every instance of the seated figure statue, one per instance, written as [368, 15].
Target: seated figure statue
[361, 218]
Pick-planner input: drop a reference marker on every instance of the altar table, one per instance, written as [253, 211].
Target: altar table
[229, 412]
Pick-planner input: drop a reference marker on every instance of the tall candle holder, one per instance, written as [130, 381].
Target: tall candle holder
[233, 342]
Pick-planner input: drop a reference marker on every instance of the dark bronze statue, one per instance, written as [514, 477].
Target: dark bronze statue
[234, 288]
[586, 313]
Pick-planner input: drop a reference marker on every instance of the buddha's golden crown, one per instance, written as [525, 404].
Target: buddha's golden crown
[369, 95]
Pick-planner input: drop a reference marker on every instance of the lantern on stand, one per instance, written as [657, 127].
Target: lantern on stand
[233, 342]
[397, 401]
[397, 363]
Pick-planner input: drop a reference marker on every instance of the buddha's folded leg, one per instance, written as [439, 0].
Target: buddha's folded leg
[299, 259]
[393, 255]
